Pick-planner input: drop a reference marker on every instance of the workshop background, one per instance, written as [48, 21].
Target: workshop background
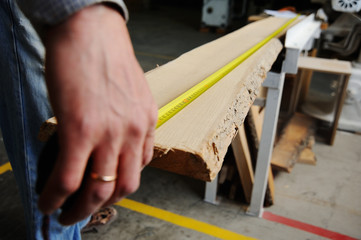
[318, 196]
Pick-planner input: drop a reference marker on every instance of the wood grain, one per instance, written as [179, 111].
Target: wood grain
[195, 141]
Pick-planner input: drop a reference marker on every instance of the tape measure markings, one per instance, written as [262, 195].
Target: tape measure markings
[176, 105]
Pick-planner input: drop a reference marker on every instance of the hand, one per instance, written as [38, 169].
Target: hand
[104, 109]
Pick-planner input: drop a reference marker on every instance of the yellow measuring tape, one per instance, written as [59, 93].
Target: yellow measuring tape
[173, 107]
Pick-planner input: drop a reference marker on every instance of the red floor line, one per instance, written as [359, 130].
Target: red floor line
[305, 227]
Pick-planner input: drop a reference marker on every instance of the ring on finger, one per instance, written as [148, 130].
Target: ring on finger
[100, 178]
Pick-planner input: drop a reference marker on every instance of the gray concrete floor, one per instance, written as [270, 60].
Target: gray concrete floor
[327, 195]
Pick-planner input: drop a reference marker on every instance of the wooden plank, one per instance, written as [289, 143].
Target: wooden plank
[292, 142]
[257, 118]
[176, 77]
[325, 65]
[243, 162]
[194, 142]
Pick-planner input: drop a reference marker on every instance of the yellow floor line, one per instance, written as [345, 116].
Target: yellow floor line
[176, 219]
[6, 167]
[181, 220]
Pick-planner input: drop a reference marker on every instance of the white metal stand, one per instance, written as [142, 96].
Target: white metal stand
[299, 37]
[210, 195]
[274, 83]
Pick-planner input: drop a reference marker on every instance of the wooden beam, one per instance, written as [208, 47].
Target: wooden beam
[194, 142]
[244, 162]
[177, 76]
[325, 65]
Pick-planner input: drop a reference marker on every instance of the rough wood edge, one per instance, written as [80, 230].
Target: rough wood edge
[226, 131]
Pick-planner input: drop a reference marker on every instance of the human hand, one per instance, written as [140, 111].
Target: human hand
[104, 110]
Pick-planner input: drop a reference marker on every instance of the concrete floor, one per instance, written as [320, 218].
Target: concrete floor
[327, 195]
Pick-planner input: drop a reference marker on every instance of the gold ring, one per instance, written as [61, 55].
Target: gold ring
[100, 178]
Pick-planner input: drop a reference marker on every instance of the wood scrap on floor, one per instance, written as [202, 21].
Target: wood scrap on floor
[307, 156]
[292, 141]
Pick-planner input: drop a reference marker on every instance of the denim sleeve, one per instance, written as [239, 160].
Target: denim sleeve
[50, 12]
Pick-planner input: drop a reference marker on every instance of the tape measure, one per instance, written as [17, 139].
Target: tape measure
[176, 105]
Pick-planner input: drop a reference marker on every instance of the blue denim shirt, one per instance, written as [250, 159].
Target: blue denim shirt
[50, 12]
[23, 98]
